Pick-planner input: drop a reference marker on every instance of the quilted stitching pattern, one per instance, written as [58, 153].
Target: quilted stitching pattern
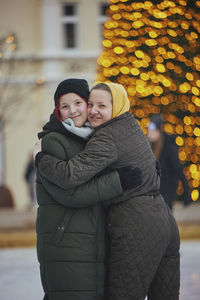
[144, 251]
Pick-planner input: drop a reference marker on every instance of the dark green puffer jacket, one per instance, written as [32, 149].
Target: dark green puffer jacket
[71, 241]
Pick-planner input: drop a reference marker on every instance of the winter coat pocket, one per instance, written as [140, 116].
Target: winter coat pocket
[61, 228]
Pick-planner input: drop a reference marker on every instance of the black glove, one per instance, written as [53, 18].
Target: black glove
[129, 177]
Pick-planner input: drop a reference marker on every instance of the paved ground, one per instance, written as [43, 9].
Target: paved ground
[13, 219]
[189, 214]
[17, 228]
[19, 273]
[190, 270]
[19, 270]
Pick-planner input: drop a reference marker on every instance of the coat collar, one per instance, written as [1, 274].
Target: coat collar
[123, 116]
[54, 125]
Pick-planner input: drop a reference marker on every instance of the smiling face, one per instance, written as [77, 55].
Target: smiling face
[73, 106]
[99, 107]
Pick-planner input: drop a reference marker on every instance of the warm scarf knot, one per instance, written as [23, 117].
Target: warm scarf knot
[83, 132]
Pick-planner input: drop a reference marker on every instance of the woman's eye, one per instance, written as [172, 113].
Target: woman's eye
[89, 105]
[78, 102]
[65, 106]
[102, 105]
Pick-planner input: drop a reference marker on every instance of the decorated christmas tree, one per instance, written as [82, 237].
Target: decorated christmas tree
[152, 48]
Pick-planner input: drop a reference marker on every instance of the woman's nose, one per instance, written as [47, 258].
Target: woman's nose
[94, 110]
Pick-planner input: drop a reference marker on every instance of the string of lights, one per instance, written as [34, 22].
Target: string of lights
[153, 49]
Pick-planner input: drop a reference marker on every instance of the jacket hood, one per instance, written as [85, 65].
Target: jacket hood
[121, 103]
[52, 125]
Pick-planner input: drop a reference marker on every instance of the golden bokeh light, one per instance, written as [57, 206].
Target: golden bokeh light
[195, 195]
[153, 49]
[179, 141]
[10, 39]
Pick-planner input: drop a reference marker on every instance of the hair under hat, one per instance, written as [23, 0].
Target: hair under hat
[72, 85]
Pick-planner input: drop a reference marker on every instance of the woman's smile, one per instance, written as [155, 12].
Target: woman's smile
[99, 107]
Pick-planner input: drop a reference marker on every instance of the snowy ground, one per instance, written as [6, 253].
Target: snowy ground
[20, 280]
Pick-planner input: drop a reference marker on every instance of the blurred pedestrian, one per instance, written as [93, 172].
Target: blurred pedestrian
[166, 152]
[30, 176]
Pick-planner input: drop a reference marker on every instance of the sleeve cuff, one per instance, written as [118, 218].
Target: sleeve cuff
[39, 155]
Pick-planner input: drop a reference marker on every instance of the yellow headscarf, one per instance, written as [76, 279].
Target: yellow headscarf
[121, 103]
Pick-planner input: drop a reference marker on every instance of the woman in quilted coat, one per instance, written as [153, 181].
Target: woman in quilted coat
[144, 238]
[71, 241]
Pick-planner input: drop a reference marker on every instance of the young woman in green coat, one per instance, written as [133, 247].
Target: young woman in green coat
[71, 241]
[144, 238]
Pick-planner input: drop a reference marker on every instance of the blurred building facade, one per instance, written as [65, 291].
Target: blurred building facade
[54, 40]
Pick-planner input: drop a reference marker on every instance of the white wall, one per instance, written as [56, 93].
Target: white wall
[37, 25]
[1, 156]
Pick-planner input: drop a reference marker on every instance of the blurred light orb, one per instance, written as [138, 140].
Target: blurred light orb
[195, 195]
[152, 48]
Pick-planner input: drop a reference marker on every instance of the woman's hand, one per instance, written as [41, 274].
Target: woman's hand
[37, 148]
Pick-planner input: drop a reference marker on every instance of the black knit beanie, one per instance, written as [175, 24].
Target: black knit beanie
[72, 85]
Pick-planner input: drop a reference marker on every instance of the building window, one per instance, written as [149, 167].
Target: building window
[102, 16]
[70, 25]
